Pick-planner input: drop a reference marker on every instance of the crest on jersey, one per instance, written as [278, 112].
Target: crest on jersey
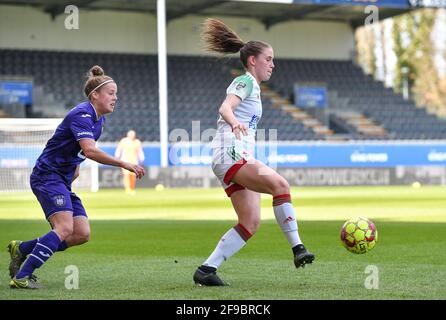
[240, 86]
[59, 200]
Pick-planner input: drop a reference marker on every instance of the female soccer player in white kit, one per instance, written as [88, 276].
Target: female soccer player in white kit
[241, 175]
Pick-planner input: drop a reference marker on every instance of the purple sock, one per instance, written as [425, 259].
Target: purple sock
[44, 249]
[27, 246]
[62, 246]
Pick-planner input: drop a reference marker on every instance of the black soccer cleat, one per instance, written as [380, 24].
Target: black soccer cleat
[207, 276]
[302, 256]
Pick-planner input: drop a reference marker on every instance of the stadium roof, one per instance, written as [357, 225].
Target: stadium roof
[269, 12]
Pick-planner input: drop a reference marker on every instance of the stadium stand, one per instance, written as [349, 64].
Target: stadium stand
[353, 94]
[359, 106]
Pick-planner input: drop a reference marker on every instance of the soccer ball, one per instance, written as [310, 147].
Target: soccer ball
[359, 235]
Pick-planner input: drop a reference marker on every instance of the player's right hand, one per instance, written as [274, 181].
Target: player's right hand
[239, 129]
[136, 169]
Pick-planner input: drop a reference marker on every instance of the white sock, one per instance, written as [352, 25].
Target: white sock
[286, 219]
[229, 244]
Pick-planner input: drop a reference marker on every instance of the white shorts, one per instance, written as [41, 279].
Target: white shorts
[226, 162]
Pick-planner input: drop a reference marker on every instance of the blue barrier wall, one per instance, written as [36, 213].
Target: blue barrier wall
[310, 155]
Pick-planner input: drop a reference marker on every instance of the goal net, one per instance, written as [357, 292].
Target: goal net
[21, 142]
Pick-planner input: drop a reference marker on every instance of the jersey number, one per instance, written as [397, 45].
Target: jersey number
[81, 155]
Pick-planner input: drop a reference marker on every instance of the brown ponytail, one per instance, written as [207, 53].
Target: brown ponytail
[219, 38]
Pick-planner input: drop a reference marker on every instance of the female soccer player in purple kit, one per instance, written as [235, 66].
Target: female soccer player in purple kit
[56, 168]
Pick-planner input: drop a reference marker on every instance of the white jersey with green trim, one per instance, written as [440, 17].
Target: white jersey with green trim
[248, 112]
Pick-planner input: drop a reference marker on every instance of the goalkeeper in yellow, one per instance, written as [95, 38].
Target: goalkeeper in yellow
[130, 150]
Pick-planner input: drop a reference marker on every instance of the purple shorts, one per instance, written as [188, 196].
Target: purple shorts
[54, 195]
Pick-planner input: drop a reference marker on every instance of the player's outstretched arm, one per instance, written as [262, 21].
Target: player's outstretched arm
[92, 152]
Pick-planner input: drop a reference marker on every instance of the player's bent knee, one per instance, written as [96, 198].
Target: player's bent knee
[281, 186]
[64, 231]
[83, 237]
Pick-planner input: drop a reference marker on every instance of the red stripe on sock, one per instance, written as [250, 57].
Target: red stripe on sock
[243, 232]
[281, 199]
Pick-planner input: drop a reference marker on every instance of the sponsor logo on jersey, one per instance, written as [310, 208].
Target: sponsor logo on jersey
[85, 133]
[86, 115]
[253, 122]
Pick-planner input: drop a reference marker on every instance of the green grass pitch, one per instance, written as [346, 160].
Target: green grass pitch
[148, 246]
